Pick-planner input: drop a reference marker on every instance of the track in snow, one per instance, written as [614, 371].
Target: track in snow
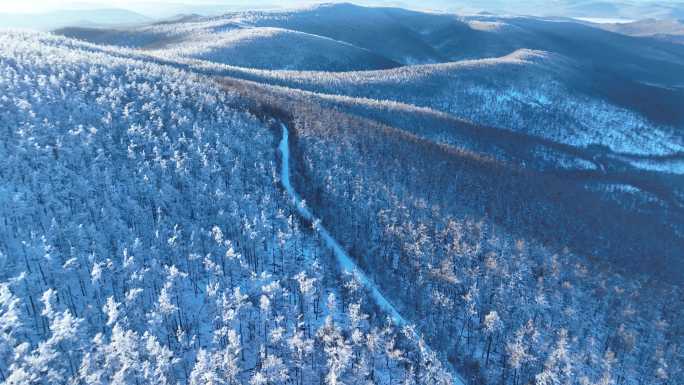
[346, 263]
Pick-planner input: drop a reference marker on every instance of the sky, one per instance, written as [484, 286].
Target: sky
[38, 6]
[157, 8]
[149, 6]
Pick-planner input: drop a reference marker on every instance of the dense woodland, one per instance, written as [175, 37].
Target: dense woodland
[145, 239]
[485, 280]
[530, 92]
[439, 229]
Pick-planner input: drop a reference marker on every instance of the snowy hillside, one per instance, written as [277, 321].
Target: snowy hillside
[273, 48]
[534, 92]
[560, 81]
[145, 238]
[229, 41]
[500, 265]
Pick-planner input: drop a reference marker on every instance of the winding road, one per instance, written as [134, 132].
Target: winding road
[347, 265]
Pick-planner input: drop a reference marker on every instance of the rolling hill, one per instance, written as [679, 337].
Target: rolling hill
[228, 42]
[533, 92]
[275, 49]
[602, 9]
[671, 30]
[619, 74]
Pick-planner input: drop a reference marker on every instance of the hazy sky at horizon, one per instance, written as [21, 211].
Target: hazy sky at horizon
[150, 7]
[34, 6]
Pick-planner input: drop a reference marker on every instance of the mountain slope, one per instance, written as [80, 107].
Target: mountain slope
[273, 48]
[225, 42]
[409, 37]
[360, 26]
[533, 92]
[637, 75]
[671, 30]
[576, 172]
[457, 237]
[145, 237]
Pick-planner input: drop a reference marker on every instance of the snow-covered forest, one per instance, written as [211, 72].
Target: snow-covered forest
[506, 306]
[272, 198]
[146, 240]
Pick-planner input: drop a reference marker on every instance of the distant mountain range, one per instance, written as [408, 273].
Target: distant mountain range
[570, 8]
[146, 12]
[671, 30]
[89, 17]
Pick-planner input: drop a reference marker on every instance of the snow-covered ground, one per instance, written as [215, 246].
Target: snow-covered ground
[347, 265]
[144, 224]
[605, 20]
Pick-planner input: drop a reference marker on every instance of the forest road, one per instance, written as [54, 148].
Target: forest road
[347, 265]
